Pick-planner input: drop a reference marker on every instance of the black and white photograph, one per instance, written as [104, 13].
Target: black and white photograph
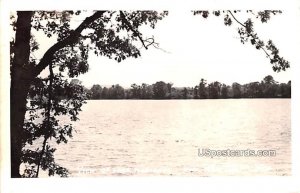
[155, 93]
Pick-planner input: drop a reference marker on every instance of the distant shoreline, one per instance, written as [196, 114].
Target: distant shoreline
[267, 88]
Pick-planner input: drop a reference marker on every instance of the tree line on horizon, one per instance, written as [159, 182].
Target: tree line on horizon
[37, 102]
[267, 88]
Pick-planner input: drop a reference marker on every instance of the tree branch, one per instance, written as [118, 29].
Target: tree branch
[236, 19]
[48, 114]
[135, 32]
[268, 55]
[150, 42]
[71, 39]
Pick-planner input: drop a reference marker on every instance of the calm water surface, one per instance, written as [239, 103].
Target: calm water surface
[157, 137]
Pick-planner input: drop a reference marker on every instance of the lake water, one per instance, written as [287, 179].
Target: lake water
[162, 137]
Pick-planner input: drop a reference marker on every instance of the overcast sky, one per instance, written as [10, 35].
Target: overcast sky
[193, 48]
[197, 48]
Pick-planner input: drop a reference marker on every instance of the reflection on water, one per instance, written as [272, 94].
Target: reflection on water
[151, 137]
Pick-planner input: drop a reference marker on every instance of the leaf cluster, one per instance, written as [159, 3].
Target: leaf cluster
[67, 100]
[246, 32]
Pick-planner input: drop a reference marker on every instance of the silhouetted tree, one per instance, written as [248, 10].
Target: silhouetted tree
[113, 34]
[236, 88]
[184, 93]
[269, 87]
[119, 92]
[146, 91]
[116, 92]
[96, 91]
[224, 91]
[214, 90]
[169, 90]
[285, 90]
[104, 93]
[160, 90]
[253, 90]
[269, 80]
[202, 89]
[135, 91]
[196, 92]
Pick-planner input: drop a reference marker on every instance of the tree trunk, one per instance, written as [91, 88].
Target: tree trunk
[21, 77]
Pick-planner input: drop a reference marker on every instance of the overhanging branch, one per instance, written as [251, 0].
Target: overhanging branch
[250, 34]
[135, 32]
[71, 39]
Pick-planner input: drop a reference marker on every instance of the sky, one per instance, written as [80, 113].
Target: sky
[195, 48]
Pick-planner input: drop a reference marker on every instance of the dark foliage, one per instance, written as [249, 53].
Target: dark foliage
[247, 33]
[37, 102]
[267, 88]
